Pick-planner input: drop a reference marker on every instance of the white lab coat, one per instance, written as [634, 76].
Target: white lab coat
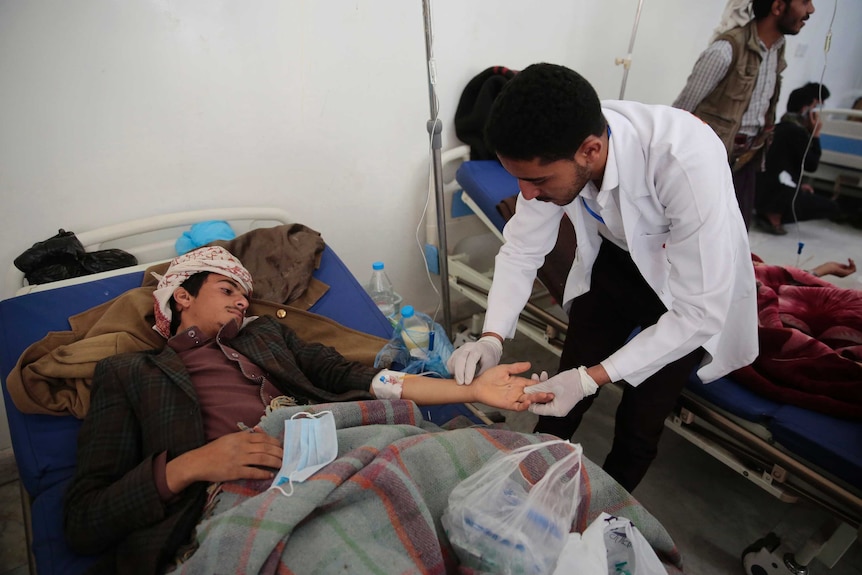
[684, 232]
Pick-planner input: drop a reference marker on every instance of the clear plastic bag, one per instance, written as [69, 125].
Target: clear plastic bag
[498, 522]
[428, 358]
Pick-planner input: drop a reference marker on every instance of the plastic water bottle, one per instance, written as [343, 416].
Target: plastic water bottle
[381, 291]
[415, 331]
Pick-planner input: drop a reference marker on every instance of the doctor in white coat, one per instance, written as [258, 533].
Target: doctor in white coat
[662, 248]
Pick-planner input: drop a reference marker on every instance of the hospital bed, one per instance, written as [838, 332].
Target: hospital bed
[841, 157]
[45, 445]
[788, 451]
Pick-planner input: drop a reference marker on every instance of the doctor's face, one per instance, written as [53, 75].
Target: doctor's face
[557, 182]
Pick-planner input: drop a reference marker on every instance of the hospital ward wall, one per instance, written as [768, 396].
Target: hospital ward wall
[116, 110]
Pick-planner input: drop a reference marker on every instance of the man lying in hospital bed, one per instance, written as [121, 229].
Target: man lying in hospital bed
[148, 450]
[377, 506]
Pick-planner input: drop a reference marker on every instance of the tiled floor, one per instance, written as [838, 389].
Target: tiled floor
[711, 512]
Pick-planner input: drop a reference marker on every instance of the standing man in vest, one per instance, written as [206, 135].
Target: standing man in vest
[735, 84]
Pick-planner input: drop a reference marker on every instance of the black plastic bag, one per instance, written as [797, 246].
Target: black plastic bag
[474, 107]
[105, 260]
[56, 272]
[63, 256]
[61, 249]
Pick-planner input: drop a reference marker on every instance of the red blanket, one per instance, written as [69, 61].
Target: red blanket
[810, 342]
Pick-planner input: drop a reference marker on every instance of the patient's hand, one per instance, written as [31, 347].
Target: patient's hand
[500, 387]
[835, 269]
[239, 455]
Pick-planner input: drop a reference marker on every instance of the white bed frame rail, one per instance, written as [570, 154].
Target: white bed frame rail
[151, 240]
[842, 169]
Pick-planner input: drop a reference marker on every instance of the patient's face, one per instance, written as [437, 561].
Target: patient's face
[557, 182]
[219, 301]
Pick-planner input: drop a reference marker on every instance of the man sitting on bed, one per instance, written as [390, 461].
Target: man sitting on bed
[163, 425]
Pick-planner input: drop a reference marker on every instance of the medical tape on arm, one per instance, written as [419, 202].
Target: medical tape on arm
[388, 384]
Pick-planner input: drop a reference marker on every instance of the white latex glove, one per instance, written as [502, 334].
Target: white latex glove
[474, 357]
[569, 387]
[539, 377]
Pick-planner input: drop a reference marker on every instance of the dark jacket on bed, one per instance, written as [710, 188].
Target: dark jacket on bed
[144, 404]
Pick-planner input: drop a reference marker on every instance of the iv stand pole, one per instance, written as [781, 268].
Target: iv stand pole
[627, 61]
[435, 127]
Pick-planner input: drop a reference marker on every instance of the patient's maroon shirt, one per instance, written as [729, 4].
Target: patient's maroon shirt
[230, 388]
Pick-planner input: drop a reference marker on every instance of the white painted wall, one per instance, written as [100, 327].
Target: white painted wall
[111, 110]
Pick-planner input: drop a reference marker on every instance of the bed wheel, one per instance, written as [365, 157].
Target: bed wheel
[760, 558]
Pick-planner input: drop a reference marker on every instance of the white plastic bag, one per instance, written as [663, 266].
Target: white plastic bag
[498, 522]
[609, 546]
[584, 554]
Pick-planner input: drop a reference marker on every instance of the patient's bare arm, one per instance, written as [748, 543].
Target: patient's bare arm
[835, 268]
[499, 387]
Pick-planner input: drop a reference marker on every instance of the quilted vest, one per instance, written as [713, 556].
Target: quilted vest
[723, 108]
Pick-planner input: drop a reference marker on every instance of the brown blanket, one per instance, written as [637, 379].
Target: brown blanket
[281, 260]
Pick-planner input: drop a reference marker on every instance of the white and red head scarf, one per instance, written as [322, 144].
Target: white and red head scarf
[208, 259]
[736, 13]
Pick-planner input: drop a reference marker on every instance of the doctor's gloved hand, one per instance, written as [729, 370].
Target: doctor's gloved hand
[474, 357]
[538, 378]
[569, 387]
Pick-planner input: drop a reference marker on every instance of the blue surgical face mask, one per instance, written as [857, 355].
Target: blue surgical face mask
[310, 443]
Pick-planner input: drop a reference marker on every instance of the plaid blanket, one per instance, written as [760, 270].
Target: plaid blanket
[377, 507]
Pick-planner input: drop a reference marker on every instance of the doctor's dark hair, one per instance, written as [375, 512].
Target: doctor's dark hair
[193, 286]
[546, 111]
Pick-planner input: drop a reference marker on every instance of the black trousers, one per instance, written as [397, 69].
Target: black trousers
[776, 198]
[745, 186]
[600, 322]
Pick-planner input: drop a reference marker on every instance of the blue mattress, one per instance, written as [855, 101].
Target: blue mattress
[487, 184]
[841, 144]
[834, 445]
[45, 446]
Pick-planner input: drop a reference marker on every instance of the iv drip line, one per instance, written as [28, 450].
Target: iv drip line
[826, 45]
